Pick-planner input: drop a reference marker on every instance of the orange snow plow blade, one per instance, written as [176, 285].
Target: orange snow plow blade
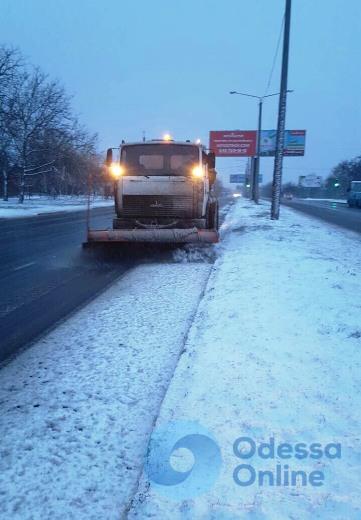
[170, 236]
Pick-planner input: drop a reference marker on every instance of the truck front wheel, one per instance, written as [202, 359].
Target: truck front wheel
[212, 216]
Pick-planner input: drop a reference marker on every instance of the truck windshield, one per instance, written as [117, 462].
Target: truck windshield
[159, 159]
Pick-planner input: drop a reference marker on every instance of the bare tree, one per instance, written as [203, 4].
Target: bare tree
[11, 64]
[41, 142]
[36, 105]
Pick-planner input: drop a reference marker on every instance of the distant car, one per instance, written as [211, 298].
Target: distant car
[288, 196]
[354, 195]
[236, 194]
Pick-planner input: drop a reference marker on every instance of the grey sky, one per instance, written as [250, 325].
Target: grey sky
[168, 66]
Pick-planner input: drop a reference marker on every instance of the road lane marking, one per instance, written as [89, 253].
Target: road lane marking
[23, 266]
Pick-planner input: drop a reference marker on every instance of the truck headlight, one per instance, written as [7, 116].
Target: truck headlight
[197, 171]
[116, 170]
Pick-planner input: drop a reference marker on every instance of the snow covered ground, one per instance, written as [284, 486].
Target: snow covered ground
[76, 408]
[270, 345]
[43, 204]
[274, 352]
[340, 201]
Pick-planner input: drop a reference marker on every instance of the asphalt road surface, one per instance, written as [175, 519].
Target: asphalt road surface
[45, 274]
[334, 212]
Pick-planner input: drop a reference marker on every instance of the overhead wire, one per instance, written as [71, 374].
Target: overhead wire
[275, 57]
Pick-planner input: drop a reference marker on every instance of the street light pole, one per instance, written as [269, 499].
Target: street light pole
[258, 160]
[256, 169]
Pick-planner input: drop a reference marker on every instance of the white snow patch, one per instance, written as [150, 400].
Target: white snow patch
[38, 205]
[274, 351]
[340, 201]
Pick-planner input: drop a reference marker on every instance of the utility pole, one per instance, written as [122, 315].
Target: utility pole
[255, 186]
[277, 171]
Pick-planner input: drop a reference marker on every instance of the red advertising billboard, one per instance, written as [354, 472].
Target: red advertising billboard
[233, 143]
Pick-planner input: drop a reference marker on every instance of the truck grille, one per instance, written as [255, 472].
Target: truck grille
[157, 206]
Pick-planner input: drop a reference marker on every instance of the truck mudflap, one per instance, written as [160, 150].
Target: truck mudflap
[175, 236]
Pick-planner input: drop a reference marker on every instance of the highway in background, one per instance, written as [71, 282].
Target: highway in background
[334, 212]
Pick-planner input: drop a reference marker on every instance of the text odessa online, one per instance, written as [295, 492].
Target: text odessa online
[247, 475]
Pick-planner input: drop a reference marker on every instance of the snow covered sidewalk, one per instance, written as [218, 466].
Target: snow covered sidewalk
[38, 205]
[273, 355]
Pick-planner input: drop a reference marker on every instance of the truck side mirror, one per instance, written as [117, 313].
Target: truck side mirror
[211, 160]
[212, 176]
[109, 159]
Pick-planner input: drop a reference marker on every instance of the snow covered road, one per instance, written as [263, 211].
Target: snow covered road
[77, 407]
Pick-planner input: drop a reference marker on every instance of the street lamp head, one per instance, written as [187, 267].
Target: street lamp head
[233, 92]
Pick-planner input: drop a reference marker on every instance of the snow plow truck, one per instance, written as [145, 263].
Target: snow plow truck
[163, 192]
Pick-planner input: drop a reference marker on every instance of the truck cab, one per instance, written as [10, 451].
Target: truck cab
[164, 184]
[354, 194]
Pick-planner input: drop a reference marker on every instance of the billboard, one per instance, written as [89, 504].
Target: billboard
[237, 178]
[233, 143]
[310, 181]
[295, 141]
[294, 144]
[241, 178]
[243, 143]
[268, 143]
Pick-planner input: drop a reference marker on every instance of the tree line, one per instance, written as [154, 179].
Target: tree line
[342, 175]
[43, 147]
[336, 184]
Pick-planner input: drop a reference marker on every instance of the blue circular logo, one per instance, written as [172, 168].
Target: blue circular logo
[183, 460]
